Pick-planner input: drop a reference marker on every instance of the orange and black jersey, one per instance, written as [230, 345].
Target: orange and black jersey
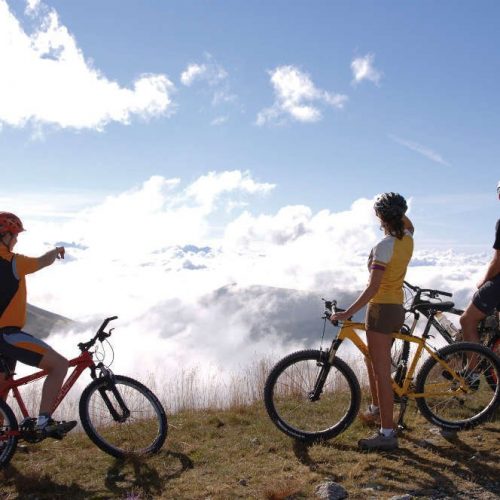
[13, 296]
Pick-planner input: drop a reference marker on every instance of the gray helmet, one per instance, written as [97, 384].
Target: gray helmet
[390, 206]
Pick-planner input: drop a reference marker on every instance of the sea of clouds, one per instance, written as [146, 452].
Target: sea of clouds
[201, 281]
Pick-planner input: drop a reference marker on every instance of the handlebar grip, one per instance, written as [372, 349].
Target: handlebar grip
[446, 294]
[105, 323]
[328, 314]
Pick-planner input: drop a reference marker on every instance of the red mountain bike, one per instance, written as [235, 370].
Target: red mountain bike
[120, 415]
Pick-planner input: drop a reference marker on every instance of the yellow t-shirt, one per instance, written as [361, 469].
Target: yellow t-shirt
[13, 295]
[392, 256]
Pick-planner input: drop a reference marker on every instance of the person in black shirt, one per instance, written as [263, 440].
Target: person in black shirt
[487, 297]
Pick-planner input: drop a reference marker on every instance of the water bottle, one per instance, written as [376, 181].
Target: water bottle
[446, 324]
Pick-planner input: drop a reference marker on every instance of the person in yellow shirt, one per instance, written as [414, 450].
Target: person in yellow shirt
[385, 313]
[17, 345]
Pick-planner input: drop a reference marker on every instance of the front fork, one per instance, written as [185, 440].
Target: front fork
[121, 413]
[325, 362]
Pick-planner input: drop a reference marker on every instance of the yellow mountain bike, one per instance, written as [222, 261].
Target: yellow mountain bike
[315, 395]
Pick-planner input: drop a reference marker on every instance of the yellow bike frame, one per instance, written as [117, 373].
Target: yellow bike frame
[348, 331]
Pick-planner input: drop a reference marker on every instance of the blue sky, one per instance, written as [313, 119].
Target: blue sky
[423, 121]
[178, 147]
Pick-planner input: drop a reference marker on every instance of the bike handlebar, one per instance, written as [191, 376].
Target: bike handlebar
[105, 324]
[100, 335]
[331, 308]
[428, 291]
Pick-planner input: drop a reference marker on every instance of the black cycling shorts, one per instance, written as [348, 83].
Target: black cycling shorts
[16, 345]
[487, 298]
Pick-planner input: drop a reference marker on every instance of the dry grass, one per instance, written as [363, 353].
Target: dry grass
[232, 450]
[238, 453]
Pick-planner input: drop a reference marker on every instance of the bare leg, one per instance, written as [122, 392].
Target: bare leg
[469, 321]
[57, 367]
[371, 380]
[379, 347]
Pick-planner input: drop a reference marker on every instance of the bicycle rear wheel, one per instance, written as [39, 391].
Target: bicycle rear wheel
[8, 433]
[400, 352]
[459, 398]
[123, 417]
[491, 376]
[289, 400]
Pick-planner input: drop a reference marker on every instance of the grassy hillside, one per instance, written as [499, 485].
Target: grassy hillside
[238, 453]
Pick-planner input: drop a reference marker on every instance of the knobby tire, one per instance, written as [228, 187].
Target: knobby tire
[468, 407]
[142, 432]
[8, 424]
[286, 396]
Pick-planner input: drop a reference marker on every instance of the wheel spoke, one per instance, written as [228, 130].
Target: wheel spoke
[135, 433]
[287, 396]
[471, 398]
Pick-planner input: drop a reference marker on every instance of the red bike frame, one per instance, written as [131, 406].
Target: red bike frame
[80, 363]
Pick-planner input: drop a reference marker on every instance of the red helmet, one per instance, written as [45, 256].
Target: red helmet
[10, 223]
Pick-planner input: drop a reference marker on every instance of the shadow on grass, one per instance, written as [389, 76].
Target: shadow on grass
[301, 451]
[146, 476]
[43, 486]
[466, 462]
[149, 478]
[433, 477]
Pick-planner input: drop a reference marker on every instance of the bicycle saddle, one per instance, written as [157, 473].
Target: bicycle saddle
[436, 306]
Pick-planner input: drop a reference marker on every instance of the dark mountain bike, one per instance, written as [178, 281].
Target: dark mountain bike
[429, 303]
[120, 415]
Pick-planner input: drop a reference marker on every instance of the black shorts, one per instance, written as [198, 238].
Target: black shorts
[16, 345]
[487, 298]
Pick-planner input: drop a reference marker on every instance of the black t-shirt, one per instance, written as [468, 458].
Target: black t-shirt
[496, 245]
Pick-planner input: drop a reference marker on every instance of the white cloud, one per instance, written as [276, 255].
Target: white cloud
[162, 257]
[47, 80]
[423, 150]
[213, 81]
[363, 69]
[32, 5]
[220, 120]
[208, 188]
[210, 71]
[192, 72]
[297, 97]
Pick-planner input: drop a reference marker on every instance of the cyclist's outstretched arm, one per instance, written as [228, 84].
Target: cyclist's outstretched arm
[48, 258]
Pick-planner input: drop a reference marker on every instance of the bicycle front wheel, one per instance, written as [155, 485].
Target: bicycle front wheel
[123, 417]
[459, 396]
[299, 409]
[8, 433]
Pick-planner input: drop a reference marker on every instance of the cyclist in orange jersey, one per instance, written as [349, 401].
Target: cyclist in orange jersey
[15, 344]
